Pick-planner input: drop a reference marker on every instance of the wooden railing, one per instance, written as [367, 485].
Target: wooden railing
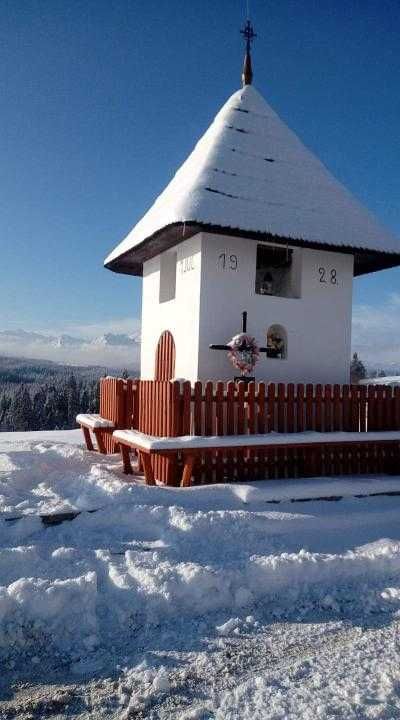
[171, 408]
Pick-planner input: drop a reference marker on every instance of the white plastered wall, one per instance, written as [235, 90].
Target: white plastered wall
[180, 316]
[215, 282]
[318, 323]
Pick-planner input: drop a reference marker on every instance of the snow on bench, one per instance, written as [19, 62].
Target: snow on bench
[191, 445]
[153, 443]
[98, 425]
[94, 422]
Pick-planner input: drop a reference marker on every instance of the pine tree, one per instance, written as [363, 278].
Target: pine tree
[357, 370]
[39, 402]
[5, 404]
[62, 408]
[50, 409]
[21, 410]
[94, 402]
[84, 400]
[73, 406]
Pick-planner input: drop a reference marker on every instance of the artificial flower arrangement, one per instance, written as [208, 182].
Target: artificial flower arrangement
[244, 352]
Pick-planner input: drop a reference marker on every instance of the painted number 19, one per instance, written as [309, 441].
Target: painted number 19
[326, 276]
[228, 262]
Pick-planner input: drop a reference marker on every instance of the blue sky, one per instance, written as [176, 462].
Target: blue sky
[102, 101]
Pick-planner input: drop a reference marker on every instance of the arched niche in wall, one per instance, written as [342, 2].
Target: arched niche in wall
[165, 357]
[277, 342]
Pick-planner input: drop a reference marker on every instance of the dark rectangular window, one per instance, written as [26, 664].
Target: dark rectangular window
[274, 272]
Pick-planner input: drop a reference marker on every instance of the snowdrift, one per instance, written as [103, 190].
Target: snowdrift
[143, 559]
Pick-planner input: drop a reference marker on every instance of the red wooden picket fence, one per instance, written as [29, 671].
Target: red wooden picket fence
[117, 404]
[160, 404]
[172, 408]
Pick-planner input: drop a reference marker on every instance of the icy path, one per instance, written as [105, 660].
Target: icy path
[207, 603]
[285, 671]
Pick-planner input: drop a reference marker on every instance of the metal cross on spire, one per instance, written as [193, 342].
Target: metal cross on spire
[249, 34]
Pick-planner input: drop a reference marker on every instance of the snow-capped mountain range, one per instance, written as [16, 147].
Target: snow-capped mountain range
[108, 339]
[120, 349]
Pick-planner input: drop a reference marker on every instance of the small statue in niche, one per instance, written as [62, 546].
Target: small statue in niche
[275, 345]
[267, 284]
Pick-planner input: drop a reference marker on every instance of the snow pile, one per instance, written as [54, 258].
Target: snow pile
[82, 582]
[49, 472]
[138, 687]
[52, 472]
[59, 612]
[163, 586]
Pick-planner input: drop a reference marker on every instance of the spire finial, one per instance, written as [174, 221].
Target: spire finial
[249, 34]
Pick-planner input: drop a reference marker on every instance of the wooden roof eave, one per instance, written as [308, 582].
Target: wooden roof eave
[131, 262]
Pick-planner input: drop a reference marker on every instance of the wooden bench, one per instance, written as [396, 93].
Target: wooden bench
[191, 446]
[98, 426]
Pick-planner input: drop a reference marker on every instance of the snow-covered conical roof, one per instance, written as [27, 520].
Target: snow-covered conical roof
[250, 174]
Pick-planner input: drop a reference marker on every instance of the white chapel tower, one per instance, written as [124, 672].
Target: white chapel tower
[253, 222]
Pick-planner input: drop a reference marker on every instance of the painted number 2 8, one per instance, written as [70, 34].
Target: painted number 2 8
[327, 275]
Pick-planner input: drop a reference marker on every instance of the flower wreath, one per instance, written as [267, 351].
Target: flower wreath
[244, 352]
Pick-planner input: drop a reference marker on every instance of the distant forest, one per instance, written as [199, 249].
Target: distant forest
[40, 395]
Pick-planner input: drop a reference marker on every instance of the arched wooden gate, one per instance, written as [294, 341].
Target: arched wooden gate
[165, 357]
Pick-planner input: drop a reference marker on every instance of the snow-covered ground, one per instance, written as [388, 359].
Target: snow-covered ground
[222, 602]
[393, 380]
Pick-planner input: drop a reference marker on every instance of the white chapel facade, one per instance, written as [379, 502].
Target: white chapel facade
[252, 222]
[215, 278]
